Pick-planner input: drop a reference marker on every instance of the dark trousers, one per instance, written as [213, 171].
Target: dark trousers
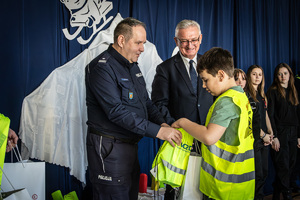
[113, 167]
[169, 193]
[296, 172]
[285, 159]
[261, 153]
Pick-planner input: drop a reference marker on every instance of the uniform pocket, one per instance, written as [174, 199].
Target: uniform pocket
[106, 148]
[98, 149]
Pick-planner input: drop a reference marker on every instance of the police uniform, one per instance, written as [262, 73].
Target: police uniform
[120, 113]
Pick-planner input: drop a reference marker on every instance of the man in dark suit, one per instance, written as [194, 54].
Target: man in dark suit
[177, 89]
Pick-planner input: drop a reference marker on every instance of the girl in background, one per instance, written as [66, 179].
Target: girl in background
[282, 109]
[240, 77]
[261, 126]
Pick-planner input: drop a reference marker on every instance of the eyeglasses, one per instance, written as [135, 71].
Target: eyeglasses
[186, 42]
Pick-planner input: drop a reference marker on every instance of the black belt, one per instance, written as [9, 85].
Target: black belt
[94, 131]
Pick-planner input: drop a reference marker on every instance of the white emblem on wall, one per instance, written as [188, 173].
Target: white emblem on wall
[87, 13]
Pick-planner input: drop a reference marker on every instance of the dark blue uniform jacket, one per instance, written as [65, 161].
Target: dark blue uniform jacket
[117, 100]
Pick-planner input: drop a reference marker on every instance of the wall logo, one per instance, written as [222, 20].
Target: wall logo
[87, 13]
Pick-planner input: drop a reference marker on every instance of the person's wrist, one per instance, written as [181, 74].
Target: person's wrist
[264, 135]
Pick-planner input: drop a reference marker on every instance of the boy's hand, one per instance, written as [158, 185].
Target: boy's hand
[177, 123]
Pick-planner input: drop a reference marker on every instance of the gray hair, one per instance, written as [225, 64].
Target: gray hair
[185, 24]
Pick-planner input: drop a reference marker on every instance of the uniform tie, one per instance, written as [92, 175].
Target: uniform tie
[193, 75]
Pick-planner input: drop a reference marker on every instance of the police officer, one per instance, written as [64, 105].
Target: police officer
[120, 113]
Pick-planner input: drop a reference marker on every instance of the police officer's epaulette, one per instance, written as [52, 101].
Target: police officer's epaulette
[104, 58]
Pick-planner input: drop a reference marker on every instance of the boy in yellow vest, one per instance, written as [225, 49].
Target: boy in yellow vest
[227, 170]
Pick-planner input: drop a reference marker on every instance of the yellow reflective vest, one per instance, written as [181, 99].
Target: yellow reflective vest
[170, 163]
[4, 128]
[227, 171]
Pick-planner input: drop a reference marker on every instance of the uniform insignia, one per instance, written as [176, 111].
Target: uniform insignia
[105, 178]
[130, 95]
[139, 75]
[102, 60]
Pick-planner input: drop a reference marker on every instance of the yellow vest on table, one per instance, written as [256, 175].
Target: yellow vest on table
[227, 171]
[170, 163]
[4, 128]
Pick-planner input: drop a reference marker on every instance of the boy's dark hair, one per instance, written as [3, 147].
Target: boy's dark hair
[214, 60]
[125, 28]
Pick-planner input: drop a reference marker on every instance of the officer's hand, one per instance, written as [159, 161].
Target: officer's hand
[298, 143]
[170, 134]
[165, 125]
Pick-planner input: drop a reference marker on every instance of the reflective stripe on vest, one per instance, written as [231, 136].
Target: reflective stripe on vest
[226, 155]
[173, 168]
[231, 178]
[170, 163]
[227, 171]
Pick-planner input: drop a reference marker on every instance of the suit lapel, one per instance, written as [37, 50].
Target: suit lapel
[182, 71]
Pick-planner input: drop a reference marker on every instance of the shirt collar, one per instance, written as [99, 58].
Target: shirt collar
[121, 59]
[187, 60]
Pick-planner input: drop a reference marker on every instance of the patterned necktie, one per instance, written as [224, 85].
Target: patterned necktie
[193, 75]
